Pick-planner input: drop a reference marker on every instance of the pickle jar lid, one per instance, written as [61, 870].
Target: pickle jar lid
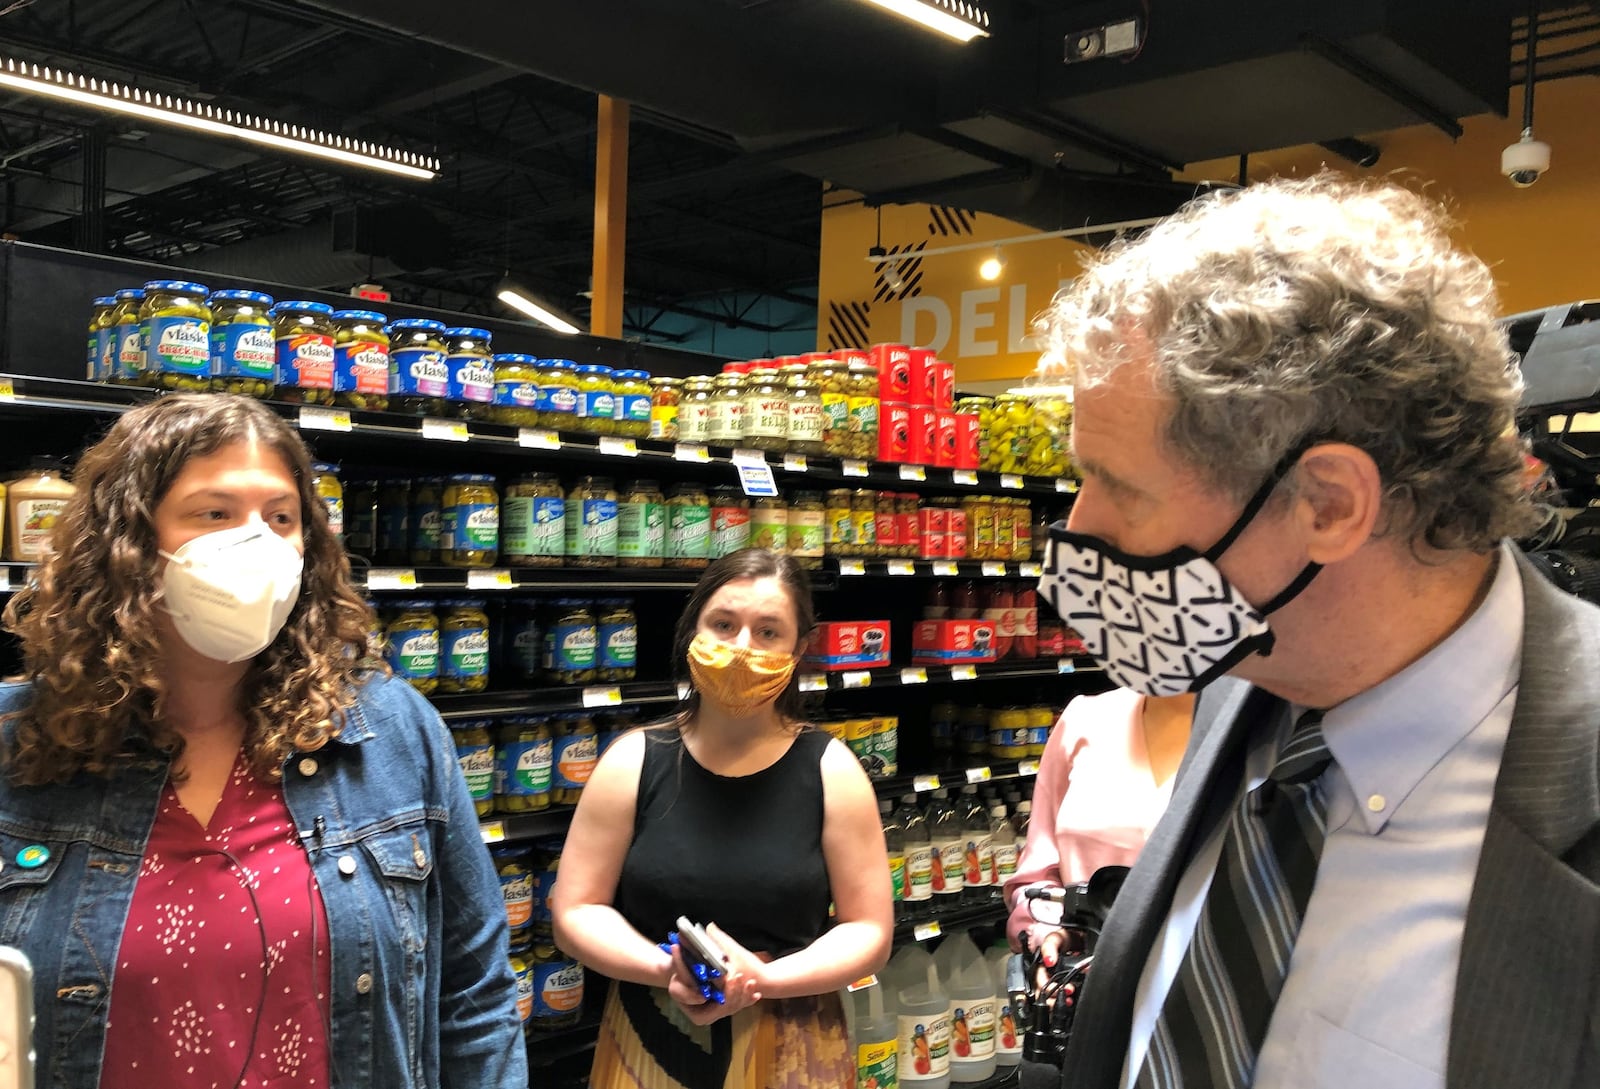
[421, 604]
[105, 300]
[418, 325]
[567, 363]
[130, 293]
[464, 603]
[260, 298]
[517, 358]
[325, 466]
[642, 376]
[628, 601]
[306, 307]
[180, 287]
[594, 368]
[473, 724]
[467, 332]
[371, 317]
[472, 478]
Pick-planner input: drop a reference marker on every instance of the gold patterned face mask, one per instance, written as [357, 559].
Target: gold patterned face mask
[739, 680]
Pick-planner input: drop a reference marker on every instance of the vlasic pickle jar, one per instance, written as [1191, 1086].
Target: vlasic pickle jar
[807, 536]
[592, 523]
[577, 752]
[128, 366]
[557, 989]
[469, 522]
[475, 754]
[413, 637]
[244, 352]
[304, 334]
[558, 394]
[392, 540]
[419, 377]
[642, 525]
[618, 640]
[360, 360]
[427, 502]
[361, 518]
[464, 647]
[175, 326]
[688, 527]
[521, 958]
[597, 401]
[694, 411]
[100, 360]
[471, 366]
[633, 403]
[516, 390]
[325, 482]
[570, 639]
[519, 640]
[523, 756]
[665, 396]
[511, 863]
[533, 522]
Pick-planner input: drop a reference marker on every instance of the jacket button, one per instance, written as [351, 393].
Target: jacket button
[347, 864]
[308, 767]
[364, 983]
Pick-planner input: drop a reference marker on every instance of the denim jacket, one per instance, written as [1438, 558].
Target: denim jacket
[422, 989]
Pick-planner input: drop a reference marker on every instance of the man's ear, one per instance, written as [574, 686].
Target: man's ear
[1338, 500]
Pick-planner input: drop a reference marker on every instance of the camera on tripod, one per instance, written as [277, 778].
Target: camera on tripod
[1048, 1006]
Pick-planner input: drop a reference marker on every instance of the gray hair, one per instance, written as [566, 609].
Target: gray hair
[1319, 309]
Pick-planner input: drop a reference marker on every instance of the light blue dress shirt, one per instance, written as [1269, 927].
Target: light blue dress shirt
[1368, 998]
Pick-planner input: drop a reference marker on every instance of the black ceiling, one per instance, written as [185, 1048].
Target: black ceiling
[743, 111]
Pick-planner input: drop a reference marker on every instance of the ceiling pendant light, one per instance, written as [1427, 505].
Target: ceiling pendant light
[992, 266]
[958, 20]
[522, 301]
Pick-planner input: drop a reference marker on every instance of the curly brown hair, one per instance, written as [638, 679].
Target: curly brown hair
[89, 621]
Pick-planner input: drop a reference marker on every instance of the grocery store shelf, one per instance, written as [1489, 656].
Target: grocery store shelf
[848, 569]
[905, 676]
[541, 701]
[996, 771]
[520, 827]
[379, 579]
[966, 915]
[548, 1048]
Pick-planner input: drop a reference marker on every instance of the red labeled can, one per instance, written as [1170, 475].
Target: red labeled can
[924, 422]
[956, 534]
[933, 529]
[894, 371]
[922, 381]
[969, 431]
[944, 440]
[894, 431]
[944, 385]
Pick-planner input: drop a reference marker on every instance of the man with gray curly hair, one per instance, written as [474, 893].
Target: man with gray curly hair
[1381, 862]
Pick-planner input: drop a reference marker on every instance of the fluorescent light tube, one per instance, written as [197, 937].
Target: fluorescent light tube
[518, 301]
[954, 19]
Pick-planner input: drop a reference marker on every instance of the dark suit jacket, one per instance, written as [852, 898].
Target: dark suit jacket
[1527, 1002]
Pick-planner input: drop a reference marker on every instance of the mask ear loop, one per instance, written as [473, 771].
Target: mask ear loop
[1259, 500]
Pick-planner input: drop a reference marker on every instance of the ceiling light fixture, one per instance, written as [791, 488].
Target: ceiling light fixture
[185, 113]
[519, 300]
[992, 266]
[955, 19]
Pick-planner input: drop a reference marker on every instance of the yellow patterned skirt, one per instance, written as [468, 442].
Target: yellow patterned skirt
[787, 1043]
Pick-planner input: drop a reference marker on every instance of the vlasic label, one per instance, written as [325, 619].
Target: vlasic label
[239, 350]
[129, 363]
[576, 756]
[597, 404]
[619, 646]
[972, 1029]
[877, 1065]
[572, 647]
[559, 399]
[466, 653]
[470, 527]
[641, 530]
[925, 1041]
[419, 372]
[592, 527]
[471, 378]
[557, 989]
[305, 361]
[516, 393]
[426, 528]
[634, 407]
[361, 366]
[414, 653]
[919, 873]
[524, 976]
[534, 526]
[517, 890]
[177, 345]
[522, 768]
[477, 767]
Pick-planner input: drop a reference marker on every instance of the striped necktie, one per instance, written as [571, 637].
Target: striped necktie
[1216, 1014]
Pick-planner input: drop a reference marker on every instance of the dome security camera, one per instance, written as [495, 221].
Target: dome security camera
[1525, 161]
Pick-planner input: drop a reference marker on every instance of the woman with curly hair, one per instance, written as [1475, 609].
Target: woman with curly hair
[236, 851]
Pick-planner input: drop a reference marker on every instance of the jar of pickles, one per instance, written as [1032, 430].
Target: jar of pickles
[633, 403]
[730, 521]
[244, 354]
[521, 961]
[469, 521]
[841, 523]
[1005, 528]
[99, 361]
[577, 744]
[983, 409]
[419, 377]
[694, 410]
[642, 525]
[1008, 733]
[557, 989]
[908, 523]
[471, 364]
[516, 390]
[591, 523]
[128, 366]
[533, 515]
[1021, 530]
[558, 394]
[618, 644]
[360, 360]
[769, 523]
[980, 526]
[765, 416]
[475, 753]
[175, 326]
[806, 538]
[304, 335]
[863, 406]
[833, 386]
[597, 401]
[727, 411]
[392, 539]
[361, 518]
[413, 645]
[887, 526]
[427, 504]
[665, 396]
[464, 647]
[516, 887]
[524, 753]
[325, 482]
[807, 419]
[688, 526]
[570, 638]
[521, 640]
[864, 521]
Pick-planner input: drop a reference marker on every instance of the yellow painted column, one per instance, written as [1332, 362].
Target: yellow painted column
[610, 217]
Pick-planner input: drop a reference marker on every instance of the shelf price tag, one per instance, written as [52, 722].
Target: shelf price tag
[618, 447]
[743, 456]
[1066, 665]
[858, 678]
[994, 570]
[1010, 480]
[497, 579]
[1067, 485]
[5, 580]
[814, 682]
[444, 430]
[851, 467]
[1031, 570]
[964, 673]
[978, 775]
[902, 567]
[602, 696]
[913, 472]
[1028, 767]
[493, 831]
[391, 578]
[949, 569]
[8, 392]
[918, 675]
[852, 567]
[795, 463]
[862, 984]
[537, 438]
[923, 783]
[964, 476]
[317, 418]
[924, 931]
[691, 451]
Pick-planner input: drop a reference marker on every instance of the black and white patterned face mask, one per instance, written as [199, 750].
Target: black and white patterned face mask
[1168, 624]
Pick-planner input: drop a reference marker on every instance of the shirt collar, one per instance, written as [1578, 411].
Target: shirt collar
[1386, 739]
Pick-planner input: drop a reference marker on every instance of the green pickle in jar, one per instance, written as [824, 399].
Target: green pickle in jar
[469, 522]
[834, 384]
[521, 959]
[516, 390]
[419, 376]
[392, 528]
[571, 639]
[807, 416]
[597, 401]
[175, 327]
[557, 989]
[512, 866]
[413, 645]
[464, 647]
[592, 523]
[533, 522]
[769, 524]
[304, 335]
[475, 753]
[127, 366]
[694, 410]
[807, 535]
[764, 422]
[689, 527]
[325, 482]
[617, 647]
[100, 361]
[864, 409]
[577, 750]
[642, 525]
[632, 403]
[523, 756]
[558, 394]
[841, 523]
[864, 519]
[727, 405]
[471, 366]
[244, 351]
[360, 360]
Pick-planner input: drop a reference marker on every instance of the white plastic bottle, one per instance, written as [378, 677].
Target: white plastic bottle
[922, 1015]
[967, 981]
[1008, 1023]
[876, 1039]
[894, 838]
[949, 843]
[1023, 815]
[1002, 849]
[919, 858]
[978, 875]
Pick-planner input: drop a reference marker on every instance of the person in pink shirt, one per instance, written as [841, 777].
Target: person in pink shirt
[1103, 783]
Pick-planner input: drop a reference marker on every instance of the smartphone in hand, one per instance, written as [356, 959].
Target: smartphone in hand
[699, 950]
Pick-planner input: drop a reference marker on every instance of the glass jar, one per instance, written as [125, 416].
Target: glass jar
[533, 515]
[688, 526]
[360, 360]
[864, 407]
[524, 753]
[521, 960]
[591, 523]
[633, 403]
[864, 521]
[807, 420]
[1011, 433]
[520, 628]
[244, 354]
[517, 385]
[972, 731]
[983, 409]
[413, 645]
[470, 361]
[419, 377]
[464, 647]
[175, 329]
[618, 643]
[1005, 528]
[558, 394]
[303, 332]
[1041, 717]
[127, 367]
[427, 503]
[325, 483]
[833, 386]
[886, 526]
[1008, 733]
[469, 521]
[769, 523]
[665, 396]
[841, 523]
[577, 752]
[361, 518]
[726, 427]
[730, 520]
[1021, 530]
[475, 753]
[392, 540]
[764, 420]
[557, 989]
[980, 526]
[100, 357]
[570, 638]
[694, 411]
[597, 401]
[807, 534]
[642, 525]
[516, 887]
[908, 524]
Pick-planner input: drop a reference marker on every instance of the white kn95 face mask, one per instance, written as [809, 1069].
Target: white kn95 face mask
[229, 593]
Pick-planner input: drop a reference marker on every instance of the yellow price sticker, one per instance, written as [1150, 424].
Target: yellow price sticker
[493, 831]
[391, 578]
[496, 579]
[924, 931]
[537, 438]
[444, 430]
